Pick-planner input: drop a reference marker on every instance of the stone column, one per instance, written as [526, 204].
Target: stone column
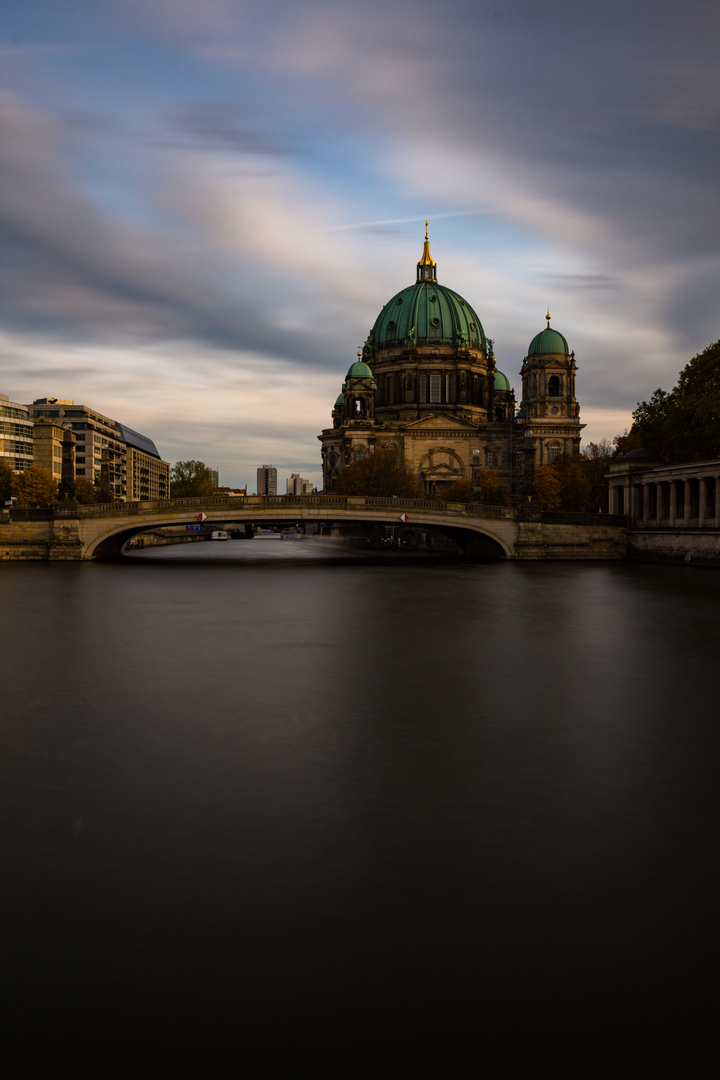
[702, 508]
[635, 495]
[673, 502]
[688, 500]
[658, 503]
[717, 502]
[645, 503]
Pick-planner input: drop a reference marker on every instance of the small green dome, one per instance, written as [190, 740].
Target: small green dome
[501, 381]
[359, 370]
[427, 314]
[548, 341]
[340, 399]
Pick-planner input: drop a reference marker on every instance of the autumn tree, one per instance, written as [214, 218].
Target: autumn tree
[7, 482]
[684, 425]
[380, 474]
[563, 485]
[190, 479]
[492, 490]
[548, 488]
[85, 492]
[625, 443]
[595, 460]
[103, 493]
[36, 487]
[459, 491]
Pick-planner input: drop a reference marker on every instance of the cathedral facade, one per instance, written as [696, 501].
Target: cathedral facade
[426, 387]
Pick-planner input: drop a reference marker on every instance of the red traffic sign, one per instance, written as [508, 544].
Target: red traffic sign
[201, 516]
[403, 517]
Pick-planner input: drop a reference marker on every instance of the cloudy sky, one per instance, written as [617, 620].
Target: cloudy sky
[205, 203]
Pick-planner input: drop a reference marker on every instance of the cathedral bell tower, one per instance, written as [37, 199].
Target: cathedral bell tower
[359, 392]
[548, 396]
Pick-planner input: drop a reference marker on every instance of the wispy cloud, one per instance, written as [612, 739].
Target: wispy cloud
[206, 204]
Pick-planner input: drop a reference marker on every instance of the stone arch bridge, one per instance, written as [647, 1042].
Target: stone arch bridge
[71, 532]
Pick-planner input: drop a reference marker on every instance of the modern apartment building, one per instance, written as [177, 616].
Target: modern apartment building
[267, 480]
[147, 476]
[16, 434]
[54, 445]
[127, 462]
[295, 485]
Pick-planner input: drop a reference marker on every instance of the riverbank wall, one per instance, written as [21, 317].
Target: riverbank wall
[688, 547]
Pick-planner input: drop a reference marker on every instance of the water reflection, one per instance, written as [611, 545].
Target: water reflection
[398, 806]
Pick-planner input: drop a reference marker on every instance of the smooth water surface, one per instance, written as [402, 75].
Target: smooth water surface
[280, 807]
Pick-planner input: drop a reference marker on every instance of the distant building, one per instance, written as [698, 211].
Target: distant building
[236, 492]
[127, 462]
[51, 443]
[16, 434]
[267, 480]
[215, 477]
[295, 485]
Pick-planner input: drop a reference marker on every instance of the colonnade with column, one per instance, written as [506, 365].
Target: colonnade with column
[667, 496]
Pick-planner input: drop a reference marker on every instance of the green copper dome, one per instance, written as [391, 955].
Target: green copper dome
[340, 399]
[427, 314]
[548, 341]
[359, 370]
[501, 381]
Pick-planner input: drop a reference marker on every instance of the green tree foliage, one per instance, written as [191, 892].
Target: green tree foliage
[190, 479]
[36, 487]
[684, 425]
[380, 474]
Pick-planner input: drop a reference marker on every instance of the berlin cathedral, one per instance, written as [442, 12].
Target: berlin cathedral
[425, 386]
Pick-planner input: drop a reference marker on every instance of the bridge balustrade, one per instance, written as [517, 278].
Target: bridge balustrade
[212, 502]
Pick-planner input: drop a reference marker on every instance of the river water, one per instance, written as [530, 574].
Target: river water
[276, 808]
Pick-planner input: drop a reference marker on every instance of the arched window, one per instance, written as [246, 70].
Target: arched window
[553, 452]
[553, 386]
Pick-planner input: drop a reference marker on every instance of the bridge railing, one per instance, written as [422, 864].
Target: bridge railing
[263, 502]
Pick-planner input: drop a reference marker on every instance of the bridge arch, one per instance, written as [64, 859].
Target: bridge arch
[477, 535]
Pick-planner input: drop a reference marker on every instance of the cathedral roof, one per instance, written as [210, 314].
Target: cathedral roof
[359, 370]
[501, 381]
[548, 341]
[427, 313]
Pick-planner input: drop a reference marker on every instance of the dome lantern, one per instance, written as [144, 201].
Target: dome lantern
[426, 314]
[548, 341]
[426, 268]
